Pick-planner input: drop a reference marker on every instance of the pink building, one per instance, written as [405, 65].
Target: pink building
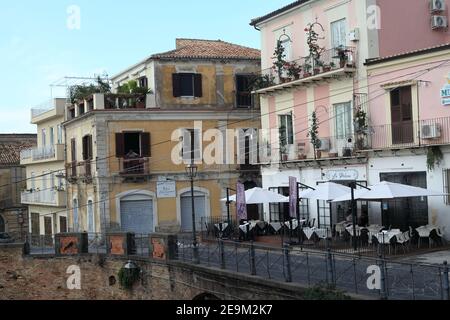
[314, 55]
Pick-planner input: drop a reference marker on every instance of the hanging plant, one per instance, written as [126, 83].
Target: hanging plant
[128, 276]
[361, 121]
[434, 157]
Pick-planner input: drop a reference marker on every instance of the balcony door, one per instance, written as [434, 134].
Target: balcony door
[401, 116]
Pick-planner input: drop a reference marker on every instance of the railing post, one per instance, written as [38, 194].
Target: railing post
[383, 291]
[446, 290]
[252, 259]
[288, 273]
[330, 267]
[222, 254]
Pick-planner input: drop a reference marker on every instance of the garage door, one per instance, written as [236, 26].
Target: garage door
[137, 216]
[186, 211]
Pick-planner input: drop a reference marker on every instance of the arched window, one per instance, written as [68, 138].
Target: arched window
[2, 225]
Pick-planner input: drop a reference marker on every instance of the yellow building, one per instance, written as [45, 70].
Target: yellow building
[126, 158]
[45, 193]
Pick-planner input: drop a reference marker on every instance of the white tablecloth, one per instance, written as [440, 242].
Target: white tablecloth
[244, 227]
[308, 232]
[350, 230]
[294, 224]
[221, 226]
[424, 231]
[385, 237]
[276, 226]
[321, 233]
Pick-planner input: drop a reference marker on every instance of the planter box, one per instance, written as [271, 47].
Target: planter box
[163, 246]
[69, 244]
[120, 243]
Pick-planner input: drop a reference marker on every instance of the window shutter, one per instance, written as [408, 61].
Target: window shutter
[85, 148]
[197, 145]
[176, 85]
[198, 90]
[119, 145]
[90, 153]
[73, 150]
[146, 144]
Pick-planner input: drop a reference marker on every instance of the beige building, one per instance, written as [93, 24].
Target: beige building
[45, 192]
[13, 215]
[120, 159]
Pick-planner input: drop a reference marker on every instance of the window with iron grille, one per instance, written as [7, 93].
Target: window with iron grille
[446, 176]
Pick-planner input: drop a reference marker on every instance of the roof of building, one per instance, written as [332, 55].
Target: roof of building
[407, 54]
[208, 49]
[12, 144]
[255, 21]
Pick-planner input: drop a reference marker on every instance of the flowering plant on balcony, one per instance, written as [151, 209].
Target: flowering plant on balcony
[342, 54]
[315, 50]
[293, 70]
[279, 55]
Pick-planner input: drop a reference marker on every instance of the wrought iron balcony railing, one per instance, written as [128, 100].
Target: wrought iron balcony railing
[429, 132]
[341, 58]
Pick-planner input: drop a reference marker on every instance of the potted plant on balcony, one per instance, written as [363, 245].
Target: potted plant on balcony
[313, 134]
[328, 66]
[293, 70]
[279, 56]
[261, 81]
[342, 54]
[361, 127]
[307, 70]
[80, 92]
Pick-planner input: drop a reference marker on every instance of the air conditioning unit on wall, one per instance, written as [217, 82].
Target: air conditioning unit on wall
[437, 5]
[439, 22]
[431, 131]
[324, 145]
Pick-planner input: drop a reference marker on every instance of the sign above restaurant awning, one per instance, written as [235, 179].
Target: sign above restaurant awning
[342, 175]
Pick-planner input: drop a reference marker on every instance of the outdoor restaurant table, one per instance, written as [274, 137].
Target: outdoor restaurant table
[384, 237]
[276, 226]
[321, 233]
[424, 231]
[340, 227]
[294, 224]
[308, 232]
[221, 226]
[246, 227]
[373, 230]
[260, 224]
[358, 230]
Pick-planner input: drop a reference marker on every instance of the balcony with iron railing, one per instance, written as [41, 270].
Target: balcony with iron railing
[332, 63]
[111, 101]
[408, 134]
[80, 171]
[48, 110]
[54, 198]
[329, 148]
[43, 154]
[134, 168]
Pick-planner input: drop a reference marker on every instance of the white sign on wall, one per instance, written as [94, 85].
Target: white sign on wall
[166, 189]
[342, 175]
[445, 93]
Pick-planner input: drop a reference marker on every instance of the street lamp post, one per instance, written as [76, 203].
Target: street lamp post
[191, 171]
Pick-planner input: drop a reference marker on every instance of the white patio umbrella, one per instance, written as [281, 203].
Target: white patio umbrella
[325, 191]
[260, 196]
[388, 190]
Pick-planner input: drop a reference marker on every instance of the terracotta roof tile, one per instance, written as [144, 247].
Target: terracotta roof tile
[209, 49]
[10, 152]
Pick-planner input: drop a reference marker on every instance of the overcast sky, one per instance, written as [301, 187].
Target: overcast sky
[40, 41]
